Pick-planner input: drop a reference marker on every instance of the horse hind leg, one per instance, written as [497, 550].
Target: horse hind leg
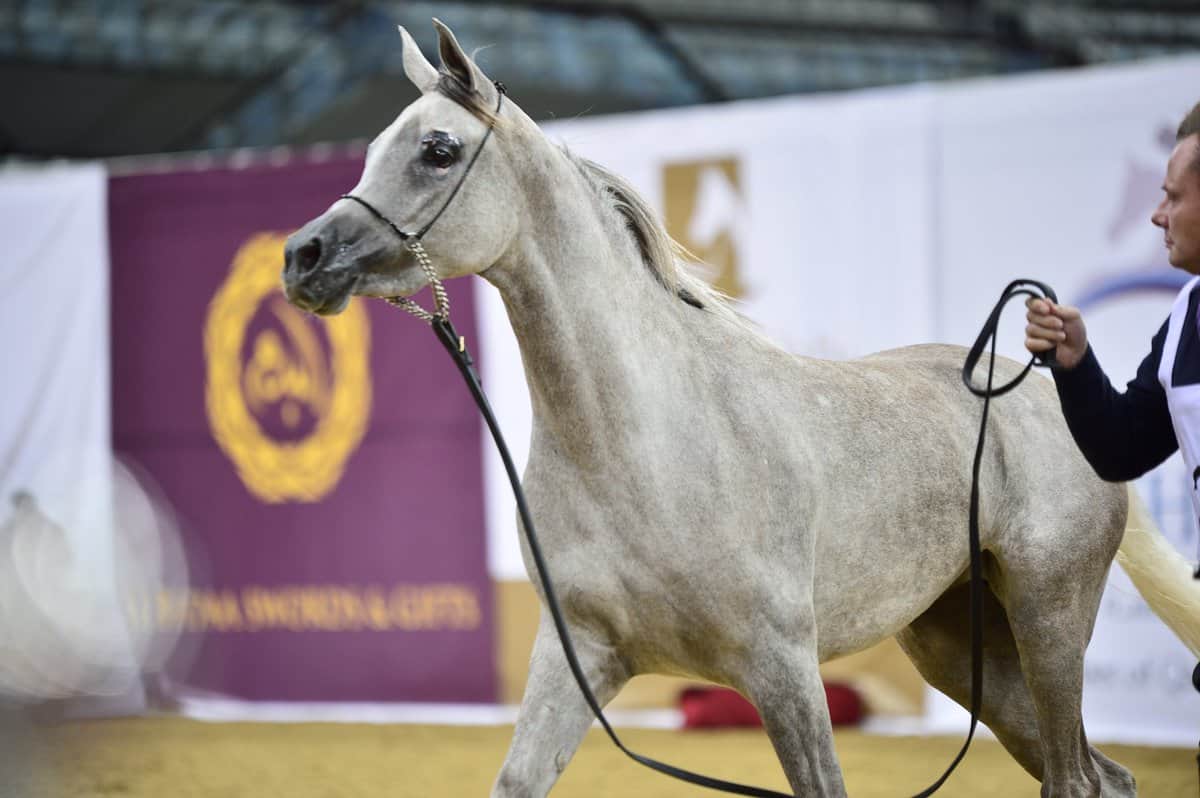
[1051, 599]
[936, 644]
[939, 647]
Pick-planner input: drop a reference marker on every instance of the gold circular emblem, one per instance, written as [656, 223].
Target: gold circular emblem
[287, 408]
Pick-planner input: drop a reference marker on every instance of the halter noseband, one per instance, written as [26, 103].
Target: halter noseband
[412, 241]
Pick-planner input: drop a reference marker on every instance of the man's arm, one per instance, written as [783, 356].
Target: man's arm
[1122, 435]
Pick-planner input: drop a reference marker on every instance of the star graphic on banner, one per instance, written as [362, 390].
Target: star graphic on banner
[1141, 190]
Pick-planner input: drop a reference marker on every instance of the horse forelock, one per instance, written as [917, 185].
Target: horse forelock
[451, 87]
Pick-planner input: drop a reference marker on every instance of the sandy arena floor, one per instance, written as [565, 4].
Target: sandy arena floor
[176, 758]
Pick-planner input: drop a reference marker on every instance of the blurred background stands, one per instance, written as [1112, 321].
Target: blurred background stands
[102, 78]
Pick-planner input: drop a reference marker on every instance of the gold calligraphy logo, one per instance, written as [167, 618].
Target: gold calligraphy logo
[288, 395]
[703, 208]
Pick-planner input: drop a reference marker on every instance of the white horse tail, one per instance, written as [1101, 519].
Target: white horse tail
[1161, 574]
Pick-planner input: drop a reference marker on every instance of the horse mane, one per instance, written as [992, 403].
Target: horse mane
[661, 254]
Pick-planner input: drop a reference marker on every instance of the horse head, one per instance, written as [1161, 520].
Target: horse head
[438, 174]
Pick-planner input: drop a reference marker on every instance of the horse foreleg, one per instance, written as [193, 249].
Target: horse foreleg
[786, 687]
[554, 716]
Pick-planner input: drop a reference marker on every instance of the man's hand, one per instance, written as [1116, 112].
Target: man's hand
[1059, 327]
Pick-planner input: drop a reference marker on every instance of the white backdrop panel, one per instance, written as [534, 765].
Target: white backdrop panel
[55, 438]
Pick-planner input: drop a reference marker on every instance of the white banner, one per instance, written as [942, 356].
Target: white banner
[54, 409]
[852, 223]
[55, 438]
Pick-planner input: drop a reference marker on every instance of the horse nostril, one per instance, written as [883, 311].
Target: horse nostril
[307, 256]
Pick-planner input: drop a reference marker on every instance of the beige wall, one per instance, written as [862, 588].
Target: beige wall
[884, 676]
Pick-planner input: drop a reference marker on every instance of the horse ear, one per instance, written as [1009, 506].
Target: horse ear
[418, 69]
[460, 65]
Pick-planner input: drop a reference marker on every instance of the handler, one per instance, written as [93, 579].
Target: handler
[1124, 435]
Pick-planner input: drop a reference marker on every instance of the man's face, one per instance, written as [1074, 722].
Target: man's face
[1179, 212]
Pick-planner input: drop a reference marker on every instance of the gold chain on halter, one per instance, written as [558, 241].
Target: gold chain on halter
[440, 297]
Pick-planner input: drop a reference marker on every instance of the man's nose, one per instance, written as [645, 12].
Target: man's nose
[1159, 217]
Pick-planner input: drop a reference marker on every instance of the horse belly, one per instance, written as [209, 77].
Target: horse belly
[870, 585]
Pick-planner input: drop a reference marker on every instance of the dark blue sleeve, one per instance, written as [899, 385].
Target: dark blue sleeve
[1122, 435]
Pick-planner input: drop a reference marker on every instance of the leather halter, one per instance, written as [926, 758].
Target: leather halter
[412, 241]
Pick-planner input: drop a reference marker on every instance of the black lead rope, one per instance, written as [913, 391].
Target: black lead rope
[1013, 290]
[456, 346]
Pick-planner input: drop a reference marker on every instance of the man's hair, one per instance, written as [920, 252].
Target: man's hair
[1189, 127]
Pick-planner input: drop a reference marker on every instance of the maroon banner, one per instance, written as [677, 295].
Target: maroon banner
[326, 472]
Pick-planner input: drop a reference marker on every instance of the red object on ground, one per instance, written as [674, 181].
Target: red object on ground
[720, 707]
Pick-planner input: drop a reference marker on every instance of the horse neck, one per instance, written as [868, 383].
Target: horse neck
[598, 333]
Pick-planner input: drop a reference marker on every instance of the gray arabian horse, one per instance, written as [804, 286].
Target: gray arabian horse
[709, 504]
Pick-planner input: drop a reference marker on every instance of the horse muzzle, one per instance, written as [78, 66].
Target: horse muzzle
[317, 274]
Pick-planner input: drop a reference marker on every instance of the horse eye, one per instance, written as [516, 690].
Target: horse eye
[441, 157]
[439, 149]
